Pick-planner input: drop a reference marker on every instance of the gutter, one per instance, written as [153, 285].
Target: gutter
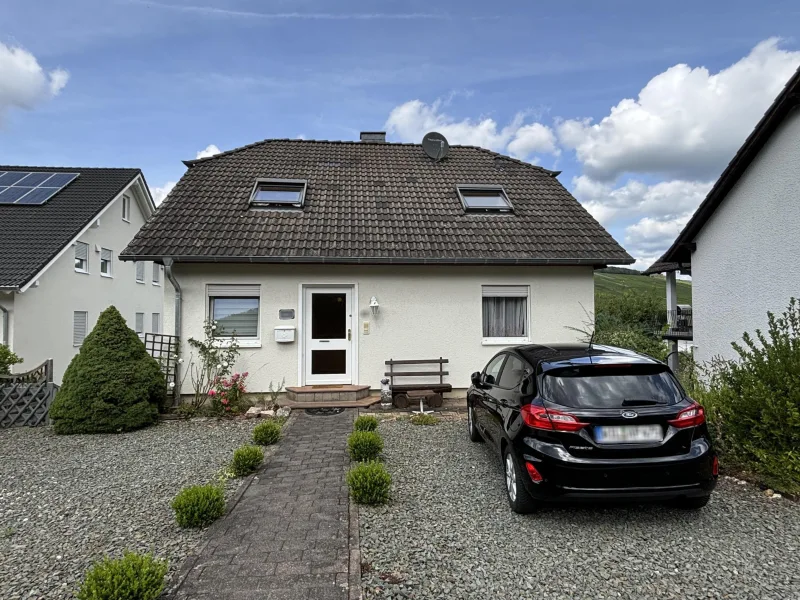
[168, 262]
[385, 260]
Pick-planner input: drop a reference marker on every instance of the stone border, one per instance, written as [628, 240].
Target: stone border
[174, 583]
[354, 546]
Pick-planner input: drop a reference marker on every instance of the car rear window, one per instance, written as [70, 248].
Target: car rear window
[615, 387]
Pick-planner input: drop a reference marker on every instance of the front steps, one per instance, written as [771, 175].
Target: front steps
[331, 395]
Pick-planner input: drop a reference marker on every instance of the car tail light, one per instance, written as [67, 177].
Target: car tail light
[535, 475]
[715, 467]
[689, 417]
[540, 417]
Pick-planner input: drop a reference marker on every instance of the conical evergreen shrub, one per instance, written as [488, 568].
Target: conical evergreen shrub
[111, 385]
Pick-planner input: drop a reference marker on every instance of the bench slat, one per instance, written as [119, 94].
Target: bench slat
[417, 373]
[417, 362]
[437, 387]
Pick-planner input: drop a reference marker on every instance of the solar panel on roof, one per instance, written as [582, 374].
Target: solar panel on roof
[25, 187]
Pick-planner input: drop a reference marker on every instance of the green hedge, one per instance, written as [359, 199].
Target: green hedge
[199, 505]
[246, 459]
[365, 423]
[267, 433]
[364, 445]
[132, 577]
[369, 483]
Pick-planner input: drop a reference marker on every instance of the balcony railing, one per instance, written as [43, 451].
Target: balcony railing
[679, 324]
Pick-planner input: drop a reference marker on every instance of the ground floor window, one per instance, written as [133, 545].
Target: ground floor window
[505, 313]
[235, 310]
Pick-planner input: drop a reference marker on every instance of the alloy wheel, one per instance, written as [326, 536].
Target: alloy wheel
[511, 478]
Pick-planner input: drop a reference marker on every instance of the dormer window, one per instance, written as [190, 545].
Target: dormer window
[484, 198]
[278, 193]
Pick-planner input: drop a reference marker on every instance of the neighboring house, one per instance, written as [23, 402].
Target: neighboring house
[329, 258]
[742, 245]
[61, 231]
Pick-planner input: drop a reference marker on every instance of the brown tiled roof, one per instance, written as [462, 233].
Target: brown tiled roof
[371, 203]
[32, 235]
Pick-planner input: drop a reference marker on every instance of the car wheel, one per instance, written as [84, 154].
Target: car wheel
[518, 497]
[691, 503]
[474, 435]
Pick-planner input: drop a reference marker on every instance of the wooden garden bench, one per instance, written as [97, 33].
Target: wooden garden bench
[431, 393]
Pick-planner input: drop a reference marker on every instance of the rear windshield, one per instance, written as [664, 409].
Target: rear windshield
[615, 387]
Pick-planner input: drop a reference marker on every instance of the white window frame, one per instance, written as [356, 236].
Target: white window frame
[156, 274]
[495, 291]
[86, 270]
[110, 273]
[214, 290]
[86, 327]
[465, 190]
[126, 209]
[136, 324]
[299, 185]
[136, 265]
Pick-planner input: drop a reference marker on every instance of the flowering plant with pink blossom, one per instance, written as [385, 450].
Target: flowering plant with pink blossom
[227, 395]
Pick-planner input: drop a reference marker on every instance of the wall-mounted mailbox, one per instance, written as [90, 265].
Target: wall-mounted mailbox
[284, 334]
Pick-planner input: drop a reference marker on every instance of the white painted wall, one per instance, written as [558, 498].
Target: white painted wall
[425, 312]
[746, 261]
[43, 315]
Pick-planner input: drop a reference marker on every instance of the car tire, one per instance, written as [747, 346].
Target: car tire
[691, 503]
[472, 430]
[519, 499]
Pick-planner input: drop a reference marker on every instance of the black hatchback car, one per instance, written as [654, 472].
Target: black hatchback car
[591, 423]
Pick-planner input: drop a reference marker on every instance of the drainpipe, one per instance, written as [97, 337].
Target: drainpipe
[168, 262]
[5, 325]
[672, 310]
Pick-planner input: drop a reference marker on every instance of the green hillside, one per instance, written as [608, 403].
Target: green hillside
[612, 283]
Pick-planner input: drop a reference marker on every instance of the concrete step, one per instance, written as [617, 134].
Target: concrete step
[363, 403]
[327, 393]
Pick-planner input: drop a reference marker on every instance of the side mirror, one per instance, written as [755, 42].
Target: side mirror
[476, 379]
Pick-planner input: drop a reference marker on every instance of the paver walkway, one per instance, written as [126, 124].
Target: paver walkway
[287, 537]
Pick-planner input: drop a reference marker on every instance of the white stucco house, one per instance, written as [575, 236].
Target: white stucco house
[741, 246]
[61, 232]
[329, 258]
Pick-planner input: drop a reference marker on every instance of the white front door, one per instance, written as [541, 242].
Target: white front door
[327, 331]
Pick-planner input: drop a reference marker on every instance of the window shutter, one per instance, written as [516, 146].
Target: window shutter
[505, 291]
[81, 251]
[79, 323]
[242, 291]
[156, 323]
[140, 323]
[140, 271]
[156, 273]
[105, 254]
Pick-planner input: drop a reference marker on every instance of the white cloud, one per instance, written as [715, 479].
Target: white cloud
[23, 82]
[159, 193]
[210, 150]
[686, 122]
[635, 199]
[647, 240]
[410, 121]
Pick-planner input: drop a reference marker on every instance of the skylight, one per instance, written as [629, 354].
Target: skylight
[277, 193]
[484, 198]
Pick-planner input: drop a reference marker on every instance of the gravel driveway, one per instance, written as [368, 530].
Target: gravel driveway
[68, 500]
[449, 534]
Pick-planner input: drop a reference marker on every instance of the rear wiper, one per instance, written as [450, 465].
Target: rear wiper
[640, 402]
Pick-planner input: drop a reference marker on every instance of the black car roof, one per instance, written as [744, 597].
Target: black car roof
[551, 356]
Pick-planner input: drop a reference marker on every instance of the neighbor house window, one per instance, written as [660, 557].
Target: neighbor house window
[278, 193]
[156, 274]
[156, 323]
[126, 208]
[106, 258]
[81, 257]
[139, 271]
[234, 309]
[80, 321]
[484, 198]
[139, 324]
[505, 313]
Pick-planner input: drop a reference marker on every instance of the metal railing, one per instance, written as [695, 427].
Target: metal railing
[679, 324]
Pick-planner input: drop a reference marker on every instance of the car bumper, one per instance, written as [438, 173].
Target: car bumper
[566, 477]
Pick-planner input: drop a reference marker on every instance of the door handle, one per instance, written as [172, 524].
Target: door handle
[324, 341]
[348, 334]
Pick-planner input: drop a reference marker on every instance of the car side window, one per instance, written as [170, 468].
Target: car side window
[492, 370]
[512, 373]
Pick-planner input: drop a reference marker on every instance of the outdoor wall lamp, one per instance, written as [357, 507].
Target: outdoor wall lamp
[373, 305]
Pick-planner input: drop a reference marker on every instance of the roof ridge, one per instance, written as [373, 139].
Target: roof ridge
[22, 167]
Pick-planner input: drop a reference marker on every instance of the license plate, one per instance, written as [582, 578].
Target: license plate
[628, 434]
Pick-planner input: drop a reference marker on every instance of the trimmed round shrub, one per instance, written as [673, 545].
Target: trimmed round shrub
[365, 423]
[199, 505]
[111, 385]
[132, 577]
[246, 459]
[369, 483]
[364, 445]
[267, 433]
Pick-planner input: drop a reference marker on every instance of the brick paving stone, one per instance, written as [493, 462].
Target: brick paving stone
[287, 537]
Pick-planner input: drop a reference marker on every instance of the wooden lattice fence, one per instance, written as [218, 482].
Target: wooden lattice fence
[164, 348]
[25, 397]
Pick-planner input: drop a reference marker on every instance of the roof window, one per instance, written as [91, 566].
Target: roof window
[277, 193]
[484, 198]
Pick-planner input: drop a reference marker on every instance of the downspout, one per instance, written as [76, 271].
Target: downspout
[168, 262]
[5, 325]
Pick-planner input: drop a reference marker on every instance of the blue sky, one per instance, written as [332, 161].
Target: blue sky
[148, 84]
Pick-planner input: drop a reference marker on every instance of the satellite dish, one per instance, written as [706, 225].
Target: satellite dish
[435, 145]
